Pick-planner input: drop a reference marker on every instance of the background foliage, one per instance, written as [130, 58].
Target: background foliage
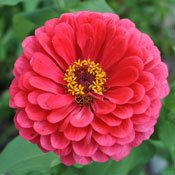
[19, 18]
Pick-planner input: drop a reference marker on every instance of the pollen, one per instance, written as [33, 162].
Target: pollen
[82, 77]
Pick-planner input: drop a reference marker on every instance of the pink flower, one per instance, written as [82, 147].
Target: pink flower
[88, 86]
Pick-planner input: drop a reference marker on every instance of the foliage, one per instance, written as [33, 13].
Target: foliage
[18, 19]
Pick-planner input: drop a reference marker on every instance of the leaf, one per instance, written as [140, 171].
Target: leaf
[9, 2]
[168, 171]
[138, 156]
[93, 5]
[21, 157]
[167, 135]
[22, 26]
[28, 6]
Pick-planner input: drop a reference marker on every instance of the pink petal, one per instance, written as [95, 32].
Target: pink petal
[50, 101]
[67, 160]
[103, 106]
[126, 140]
[32, 96]
[114, 50]
[156, 106]
[142, 106]
[160, 71]
[60, 113]
[84, 149]
[27, 133]
[139, 93]
[140, 118]
[85, 40]
[44, 128]
[45, 143]
[134, 61]
[123, 111]
[64, 152]
[128, 24]
[125, 151]
[110, 119]
[14, 89]
[112, 150]
[64, 46]
[120, 95]
[99, 126]
[43, 65]
[164, 89]
[81, 159]
[123, 130]
[100, 157]
[35, 113]
[104, 140]
[155, 91]
[23, 120]
[83, 118]
[45, 85]
[75, 134]
[20, 99]
[59, 141]
[49, 25]
[123, 77]
[147, 80]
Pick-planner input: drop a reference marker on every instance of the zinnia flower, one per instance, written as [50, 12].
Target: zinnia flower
[88, 86]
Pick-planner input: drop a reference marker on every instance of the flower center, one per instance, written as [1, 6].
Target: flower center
[82, 77]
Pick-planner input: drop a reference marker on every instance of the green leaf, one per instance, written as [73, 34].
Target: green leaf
[93, 5]
[9, 2]
[167, 135]
[28, 6]
[22, 26]
[168, 171]
[21, 157]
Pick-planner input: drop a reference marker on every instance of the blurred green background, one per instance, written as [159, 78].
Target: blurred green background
[19, 19]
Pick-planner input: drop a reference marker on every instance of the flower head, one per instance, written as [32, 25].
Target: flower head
[88, 86]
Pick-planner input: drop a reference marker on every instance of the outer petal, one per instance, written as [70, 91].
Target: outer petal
[99, 156]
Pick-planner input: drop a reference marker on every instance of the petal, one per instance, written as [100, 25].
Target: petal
[99, 156]
[85, 40]
[140, 118]
[65, 151]
[23, 120]
[45, 143]
[20, 99]
[120, 95]
[35, 113]
[81, 159]
[139, 92]
[67, 160]
[44, 128]
[125, 151]
[134, 61]
[164, 89]
[83, 118]
[49, 25]
[113, 51]
[160, 71]
[64, 46]
[43, 65]
[99, 126]
[104, 140]
[45, 85]
[83, 148]
[123, 111]
[156, 106]
[59, 141]
[32, 96]
[123, 130]
[123, 77]
[50, 101]
[103, 106]
[59, 114]
[110, 119]
[112, 150]
[155, 91]
[27, 133]
[142, 106]
[147, 80]
[75, 134]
